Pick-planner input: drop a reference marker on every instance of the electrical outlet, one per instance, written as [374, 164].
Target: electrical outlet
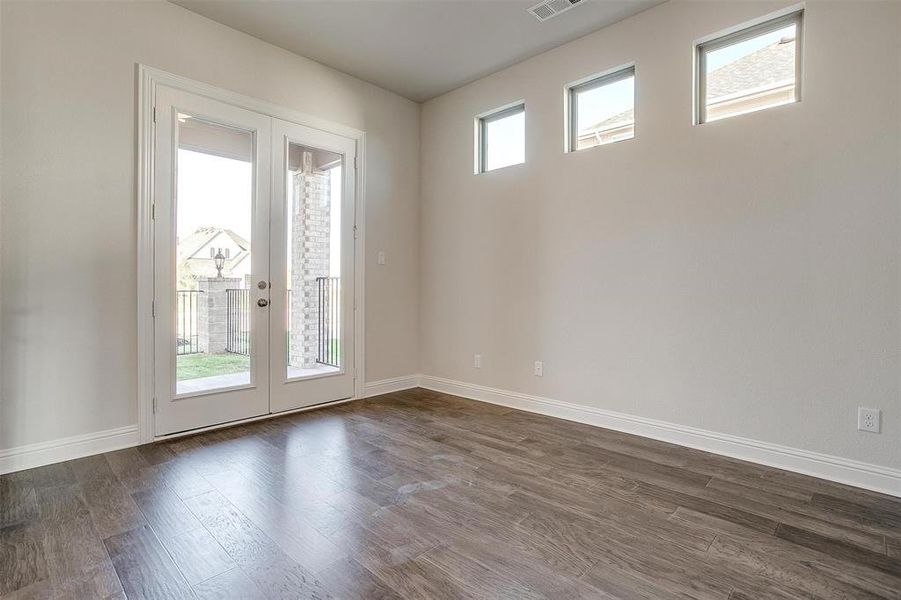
[869, 419]
[477, 361]
[539, 369]
[381, 257]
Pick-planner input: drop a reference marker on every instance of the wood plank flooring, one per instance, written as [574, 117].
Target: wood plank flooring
[423, 495]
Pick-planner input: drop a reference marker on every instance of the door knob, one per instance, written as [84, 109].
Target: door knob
[262, 303]
[263, 285]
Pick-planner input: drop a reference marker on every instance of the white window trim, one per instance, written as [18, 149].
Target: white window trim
[479, 132]
[570, 135]
[739, 33]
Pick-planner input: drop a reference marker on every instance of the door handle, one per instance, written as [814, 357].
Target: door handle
[262, 303]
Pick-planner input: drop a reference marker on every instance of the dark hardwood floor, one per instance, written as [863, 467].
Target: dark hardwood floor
[422, 495]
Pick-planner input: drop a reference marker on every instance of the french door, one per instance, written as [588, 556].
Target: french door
[311, 267]
[253, 263]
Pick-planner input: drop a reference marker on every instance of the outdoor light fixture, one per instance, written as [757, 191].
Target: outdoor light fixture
[219, 261]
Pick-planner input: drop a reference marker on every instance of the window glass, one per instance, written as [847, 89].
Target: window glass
[603, 110]
[750, 70]
[503, 138]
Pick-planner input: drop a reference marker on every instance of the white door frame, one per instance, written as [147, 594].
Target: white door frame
[148, 78]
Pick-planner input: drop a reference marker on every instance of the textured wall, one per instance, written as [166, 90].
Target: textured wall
[740, 276]
[68, 240]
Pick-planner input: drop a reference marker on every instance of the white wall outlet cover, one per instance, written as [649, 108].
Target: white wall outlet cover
[477, 361]
[381, 257]
[869, 419]
[539, 368]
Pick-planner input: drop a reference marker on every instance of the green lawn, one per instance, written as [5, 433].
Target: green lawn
[193, 366]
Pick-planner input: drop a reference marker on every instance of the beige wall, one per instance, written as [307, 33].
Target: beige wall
[741, 276]
[68, 198]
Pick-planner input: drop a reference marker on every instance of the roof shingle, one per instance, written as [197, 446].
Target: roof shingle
[767, 67]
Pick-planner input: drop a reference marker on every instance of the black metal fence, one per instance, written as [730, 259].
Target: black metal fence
[237, 339]
[186, 334]
[329, 320]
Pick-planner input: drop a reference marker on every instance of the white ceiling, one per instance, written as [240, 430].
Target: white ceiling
[417, 48]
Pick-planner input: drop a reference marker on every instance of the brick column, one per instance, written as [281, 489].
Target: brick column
[212, 312]
[311, 213]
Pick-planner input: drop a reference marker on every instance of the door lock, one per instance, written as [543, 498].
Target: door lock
[262, 303]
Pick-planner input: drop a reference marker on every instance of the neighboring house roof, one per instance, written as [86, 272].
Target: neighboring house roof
[191, 245]
[194, 256]
[768, 67]
[626, 117]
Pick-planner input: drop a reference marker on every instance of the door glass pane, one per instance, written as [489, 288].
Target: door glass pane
[313, 212]
[214, 209]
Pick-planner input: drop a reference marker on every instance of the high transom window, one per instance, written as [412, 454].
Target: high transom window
[749, 70]
[501, 138]
[602, 110]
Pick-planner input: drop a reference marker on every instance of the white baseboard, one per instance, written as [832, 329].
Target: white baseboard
[45, 453]
[54, 451]
[833, 468]
[386, 386]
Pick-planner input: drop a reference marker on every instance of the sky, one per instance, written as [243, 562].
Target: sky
[718, 58]
[602, 103]
[213, 191]
[505, 141]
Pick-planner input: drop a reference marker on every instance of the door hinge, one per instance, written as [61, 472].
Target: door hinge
[154, 114]
[154, 406]
[356, 162]
[153, 212]
[355, 232]
[153, 308]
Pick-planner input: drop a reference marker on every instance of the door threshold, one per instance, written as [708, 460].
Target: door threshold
[179, 434]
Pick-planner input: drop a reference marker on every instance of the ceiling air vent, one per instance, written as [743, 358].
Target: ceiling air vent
[551, 8]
